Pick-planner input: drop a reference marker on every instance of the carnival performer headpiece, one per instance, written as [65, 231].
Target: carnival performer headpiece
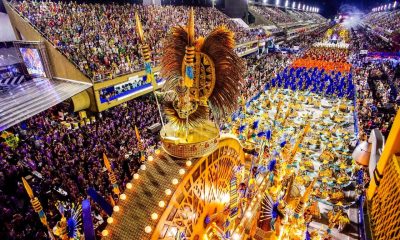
[203, 73]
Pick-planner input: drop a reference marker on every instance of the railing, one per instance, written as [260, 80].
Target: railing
[385, 205]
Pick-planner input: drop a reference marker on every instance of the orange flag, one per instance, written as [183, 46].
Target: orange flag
[137, 134]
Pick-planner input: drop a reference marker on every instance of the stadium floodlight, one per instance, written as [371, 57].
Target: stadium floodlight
[294, 5]
[304, 7]
[264, 1]
[277, 2]
[287, 3]
[394, 4]
[385, 8]
[299, 6]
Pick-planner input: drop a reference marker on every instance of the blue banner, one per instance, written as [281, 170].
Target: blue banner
[97, 198]
[88, 228]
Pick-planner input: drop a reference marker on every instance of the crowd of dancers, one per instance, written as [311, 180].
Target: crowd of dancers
[332, 84]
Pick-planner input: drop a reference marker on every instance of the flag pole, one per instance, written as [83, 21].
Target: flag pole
[146, 54]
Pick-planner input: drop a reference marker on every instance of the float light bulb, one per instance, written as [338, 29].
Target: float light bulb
[147, 229]
[116, 208]
[154, 216]
[168, 192]
[161, 204]
[122, 196]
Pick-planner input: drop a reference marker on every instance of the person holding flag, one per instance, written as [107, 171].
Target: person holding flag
[146, 53]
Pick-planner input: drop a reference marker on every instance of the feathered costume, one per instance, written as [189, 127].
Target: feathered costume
[201, 73]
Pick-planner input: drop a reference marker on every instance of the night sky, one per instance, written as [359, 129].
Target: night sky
[329, 8]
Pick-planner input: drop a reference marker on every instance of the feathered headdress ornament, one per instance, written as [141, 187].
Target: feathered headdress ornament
[203, 73]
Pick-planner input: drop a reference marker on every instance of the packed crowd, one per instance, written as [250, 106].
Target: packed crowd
[279, 16]
[377, 79]
[378, 95]
[385, 21]
[321, 64]
[261, 69]
[370, 42]
[101, 39]
[306, 16]
[328, 54]
[61, 163]
[327, 58]
[274, 15]
[305, 41]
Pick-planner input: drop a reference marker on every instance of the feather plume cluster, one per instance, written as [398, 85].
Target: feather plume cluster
[229, 69]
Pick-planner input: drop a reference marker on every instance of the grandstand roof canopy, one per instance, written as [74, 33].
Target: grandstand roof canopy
[32, 97]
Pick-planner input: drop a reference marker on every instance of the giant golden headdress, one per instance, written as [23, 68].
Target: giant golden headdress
[202, 72]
